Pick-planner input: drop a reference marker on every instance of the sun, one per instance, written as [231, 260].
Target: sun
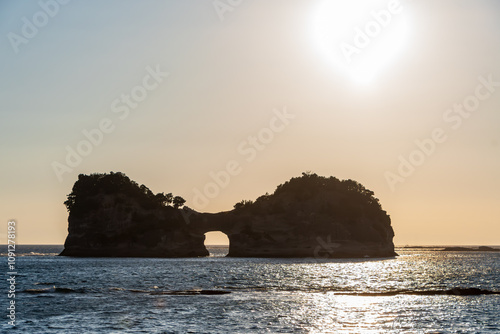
[361, 38]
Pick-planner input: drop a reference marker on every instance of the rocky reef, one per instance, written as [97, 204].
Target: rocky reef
[308, 216]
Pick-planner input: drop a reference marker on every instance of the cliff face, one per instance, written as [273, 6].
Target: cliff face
[285, 236]
[310, 216]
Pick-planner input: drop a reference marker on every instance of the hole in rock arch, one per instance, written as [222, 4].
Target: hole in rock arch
[217, 243]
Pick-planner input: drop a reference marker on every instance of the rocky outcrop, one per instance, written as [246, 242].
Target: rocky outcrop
[308, 216]
[112, 216]
[285, 236]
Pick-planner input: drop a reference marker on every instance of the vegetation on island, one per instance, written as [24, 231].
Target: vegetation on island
[317, 205]
[83, 195]
[345, 198]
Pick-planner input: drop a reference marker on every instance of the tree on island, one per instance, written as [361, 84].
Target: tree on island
[178, 202]
[82, 196]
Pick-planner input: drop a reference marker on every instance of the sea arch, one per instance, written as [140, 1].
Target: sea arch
[217, 243]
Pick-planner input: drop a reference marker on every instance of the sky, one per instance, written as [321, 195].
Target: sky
[220, 101]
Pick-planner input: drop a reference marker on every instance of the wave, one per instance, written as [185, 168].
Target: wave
[191, 292]
[19, 254]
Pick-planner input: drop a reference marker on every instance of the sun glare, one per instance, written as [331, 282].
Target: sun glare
[361, 38]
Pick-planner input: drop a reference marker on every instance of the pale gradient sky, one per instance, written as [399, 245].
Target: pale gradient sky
[227, 79]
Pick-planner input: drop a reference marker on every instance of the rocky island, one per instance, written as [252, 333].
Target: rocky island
[308, 216]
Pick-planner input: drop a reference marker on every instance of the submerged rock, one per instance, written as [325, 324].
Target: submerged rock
[308, 216]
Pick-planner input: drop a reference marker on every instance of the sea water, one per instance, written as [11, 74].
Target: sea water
[218, 294]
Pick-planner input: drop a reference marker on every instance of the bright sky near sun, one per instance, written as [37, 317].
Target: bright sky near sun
[219, 101]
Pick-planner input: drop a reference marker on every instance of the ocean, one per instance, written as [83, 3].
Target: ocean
[420, 291]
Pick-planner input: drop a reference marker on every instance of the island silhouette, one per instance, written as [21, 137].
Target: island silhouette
[111, 215]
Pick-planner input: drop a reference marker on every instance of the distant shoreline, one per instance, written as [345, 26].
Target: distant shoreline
[467, 248]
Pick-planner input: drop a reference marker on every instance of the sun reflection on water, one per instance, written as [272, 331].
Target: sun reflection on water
[330, 304]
